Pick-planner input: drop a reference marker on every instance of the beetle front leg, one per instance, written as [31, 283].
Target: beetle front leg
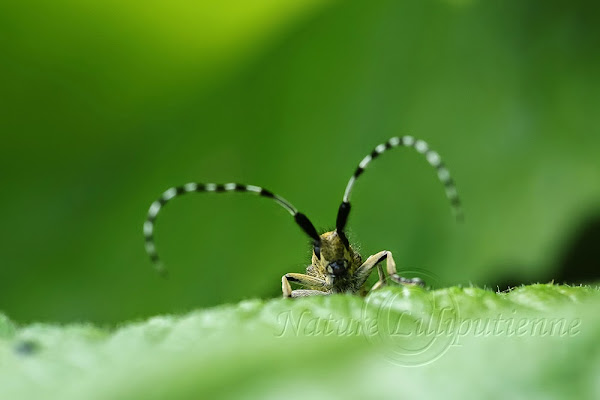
[303, 280]
[375, 260]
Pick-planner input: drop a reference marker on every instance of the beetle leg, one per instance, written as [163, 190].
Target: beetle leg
[303, 280]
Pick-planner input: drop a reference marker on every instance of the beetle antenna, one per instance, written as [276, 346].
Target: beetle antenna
[301, 219]
[405, 141]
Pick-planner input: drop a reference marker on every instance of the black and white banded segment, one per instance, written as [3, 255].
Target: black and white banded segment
[420, 146]
[173, 192]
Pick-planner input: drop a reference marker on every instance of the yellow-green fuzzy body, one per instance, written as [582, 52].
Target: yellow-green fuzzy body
[333, 249]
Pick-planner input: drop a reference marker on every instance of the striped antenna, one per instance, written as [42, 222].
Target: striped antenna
[173, 192]
[406, 141]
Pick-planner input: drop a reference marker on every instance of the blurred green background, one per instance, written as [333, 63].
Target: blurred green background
[104, 105]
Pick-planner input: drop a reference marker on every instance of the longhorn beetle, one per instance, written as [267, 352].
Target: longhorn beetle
[336, 267]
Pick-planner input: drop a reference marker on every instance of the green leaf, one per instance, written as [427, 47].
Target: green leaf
[537, 342]
[7, 328]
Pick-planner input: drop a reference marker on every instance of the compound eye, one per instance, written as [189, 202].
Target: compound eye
[317, 251]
